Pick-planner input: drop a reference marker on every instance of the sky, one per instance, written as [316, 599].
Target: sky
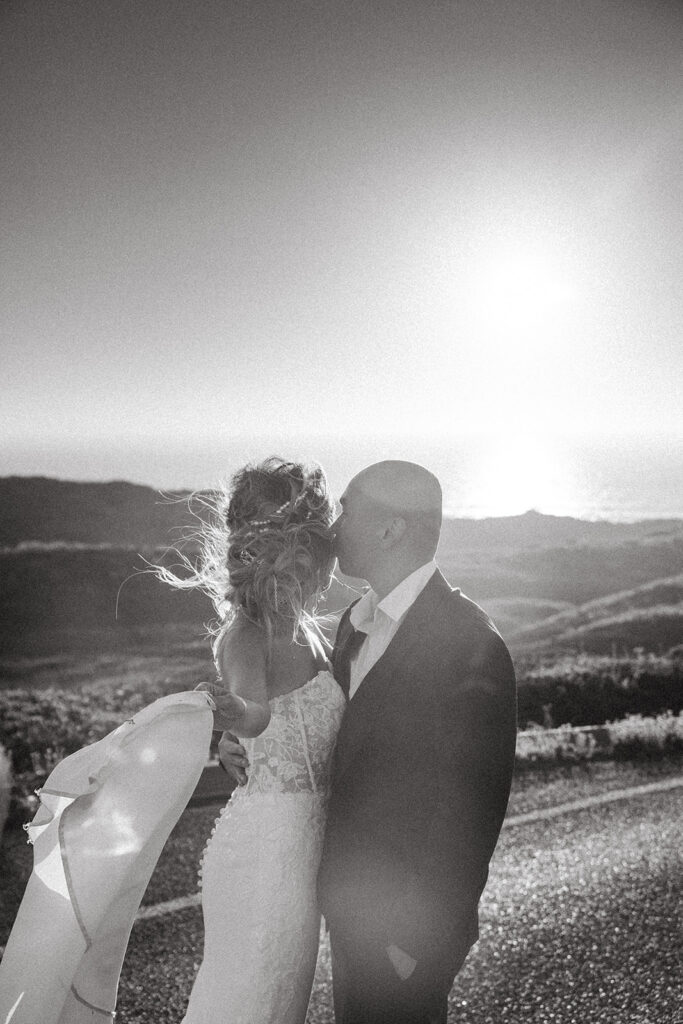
[335, 219]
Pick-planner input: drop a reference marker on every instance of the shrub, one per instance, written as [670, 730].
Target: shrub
[537, 747]
[595, 689]
[41, 727]
[5, 787]
[634, 738]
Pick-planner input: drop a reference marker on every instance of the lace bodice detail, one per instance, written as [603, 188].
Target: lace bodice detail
[293, 754]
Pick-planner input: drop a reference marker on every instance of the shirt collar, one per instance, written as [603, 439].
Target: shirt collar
[396, 603]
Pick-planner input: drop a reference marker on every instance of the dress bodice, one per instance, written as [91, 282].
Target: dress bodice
[294, 753]
[259, 868]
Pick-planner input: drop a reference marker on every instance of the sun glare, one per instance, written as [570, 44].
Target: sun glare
[518, 293]
[520, 472]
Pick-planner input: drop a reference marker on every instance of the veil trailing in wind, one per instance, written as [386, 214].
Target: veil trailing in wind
[105, 813]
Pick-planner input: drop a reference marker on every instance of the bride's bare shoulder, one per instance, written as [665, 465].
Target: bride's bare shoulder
[241, 654]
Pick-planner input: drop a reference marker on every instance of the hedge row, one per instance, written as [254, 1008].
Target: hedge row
[40, 727]
[594, 689]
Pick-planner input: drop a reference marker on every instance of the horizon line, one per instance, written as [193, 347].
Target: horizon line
[622, 519]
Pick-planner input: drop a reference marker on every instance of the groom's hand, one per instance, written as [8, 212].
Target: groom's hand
[233, 758]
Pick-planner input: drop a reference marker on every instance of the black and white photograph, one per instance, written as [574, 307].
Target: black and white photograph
[341, 511]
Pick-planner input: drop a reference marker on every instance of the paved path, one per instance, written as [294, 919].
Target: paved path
[594, 801]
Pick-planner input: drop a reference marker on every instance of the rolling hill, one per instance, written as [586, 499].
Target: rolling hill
[70, 570]
[649, 616]
[39, 510]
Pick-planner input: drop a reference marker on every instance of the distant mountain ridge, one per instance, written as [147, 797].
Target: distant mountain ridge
[537, 530]
[44, 510]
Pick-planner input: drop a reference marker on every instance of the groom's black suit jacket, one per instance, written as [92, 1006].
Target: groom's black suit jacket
[421, 779]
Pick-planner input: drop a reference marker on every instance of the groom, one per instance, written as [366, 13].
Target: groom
[423, 762]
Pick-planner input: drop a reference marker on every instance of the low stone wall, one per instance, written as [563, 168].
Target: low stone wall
[564, 745]
[214, 785]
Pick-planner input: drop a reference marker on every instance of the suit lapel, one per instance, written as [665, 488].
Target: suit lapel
[410, 644]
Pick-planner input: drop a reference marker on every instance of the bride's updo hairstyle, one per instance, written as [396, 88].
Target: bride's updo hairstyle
[279, 547]
[266, 550]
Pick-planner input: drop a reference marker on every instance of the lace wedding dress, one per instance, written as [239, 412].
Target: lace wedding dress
[258, 873]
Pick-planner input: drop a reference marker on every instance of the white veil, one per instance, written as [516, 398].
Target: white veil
[105, 814]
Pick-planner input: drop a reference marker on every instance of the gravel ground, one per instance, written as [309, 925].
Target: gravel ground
[580, 921]
[580, 924]
[560, 785]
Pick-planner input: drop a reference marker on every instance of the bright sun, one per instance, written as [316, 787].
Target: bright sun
[518, 294]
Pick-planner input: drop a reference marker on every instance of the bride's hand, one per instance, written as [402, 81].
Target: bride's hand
[230, 707]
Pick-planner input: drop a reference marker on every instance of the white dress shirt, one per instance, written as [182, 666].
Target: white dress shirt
[381, 619]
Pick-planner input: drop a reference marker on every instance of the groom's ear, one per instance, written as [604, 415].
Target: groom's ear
[393, 531]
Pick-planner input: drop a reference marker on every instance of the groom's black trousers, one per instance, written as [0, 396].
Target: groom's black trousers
[367, 989]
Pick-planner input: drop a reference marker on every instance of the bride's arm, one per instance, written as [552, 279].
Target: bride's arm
[241, 663]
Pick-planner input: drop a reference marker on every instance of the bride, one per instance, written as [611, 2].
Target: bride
[258, 873]
[107, 810]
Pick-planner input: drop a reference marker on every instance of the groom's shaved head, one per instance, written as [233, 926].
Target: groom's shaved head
[407, 490]
[404, 486]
